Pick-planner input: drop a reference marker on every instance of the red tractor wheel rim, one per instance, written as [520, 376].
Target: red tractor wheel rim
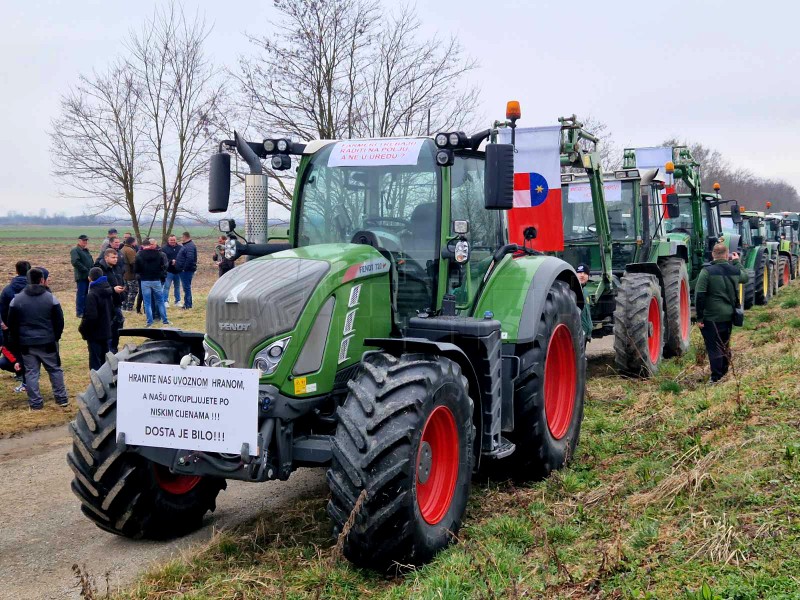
[654, 330]
[437, 465]
[175, 484]
[560, 381]
[786, 274]
[685, 317]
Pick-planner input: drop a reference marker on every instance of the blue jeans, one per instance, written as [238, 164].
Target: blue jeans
[172, 277]
[80, 296]
[153, 287]
[186, 281]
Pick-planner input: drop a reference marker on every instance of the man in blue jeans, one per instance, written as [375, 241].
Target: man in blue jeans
[173, 275]
[186, 264]
[151, 268]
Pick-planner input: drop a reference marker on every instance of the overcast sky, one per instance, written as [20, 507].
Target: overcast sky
[726, 74]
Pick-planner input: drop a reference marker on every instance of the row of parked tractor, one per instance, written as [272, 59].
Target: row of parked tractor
[417, 325]
[648, 242]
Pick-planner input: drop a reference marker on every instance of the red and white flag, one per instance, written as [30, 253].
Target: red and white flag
[537, 187]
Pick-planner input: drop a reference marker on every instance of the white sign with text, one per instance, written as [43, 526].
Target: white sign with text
[364, 153]
[197, 408]
[582, 192]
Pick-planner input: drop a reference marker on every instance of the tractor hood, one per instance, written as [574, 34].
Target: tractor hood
[267, 297]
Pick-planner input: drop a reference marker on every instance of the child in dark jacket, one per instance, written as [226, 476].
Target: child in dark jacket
[98, 313]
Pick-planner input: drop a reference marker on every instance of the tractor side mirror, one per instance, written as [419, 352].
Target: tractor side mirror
[498, 181]
[736, 214]
[673, 210]
[754, 222]
[219, 182]
[795, 225]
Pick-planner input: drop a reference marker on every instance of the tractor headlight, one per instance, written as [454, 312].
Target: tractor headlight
[281, 162]
[230, 248]
[283, 145]
[441, 140]
[268, 359]
[444, 158]
[269, 145]
[212, 357]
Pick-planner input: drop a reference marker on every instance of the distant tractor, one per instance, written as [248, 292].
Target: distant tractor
[639, 287]
[401, 342]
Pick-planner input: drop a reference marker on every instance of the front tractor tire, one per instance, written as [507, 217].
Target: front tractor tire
[405, 440]
[784, 271]
[548, 401]
[762, 280]
[677, 307]
[639, 325]
[124, 493]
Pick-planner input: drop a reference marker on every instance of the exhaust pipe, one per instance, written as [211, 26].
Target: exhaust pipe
[256, 194]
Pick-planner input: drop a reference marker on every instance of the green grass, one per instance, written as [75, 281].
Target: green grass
[677, 490]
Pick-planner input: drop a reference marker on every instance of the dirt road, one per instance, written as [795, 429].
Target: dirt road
[43, 533]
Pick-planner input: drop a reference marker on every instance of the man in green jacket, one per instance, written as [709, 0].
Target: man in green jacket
[586, 314]
[82, 262]
[716, 298]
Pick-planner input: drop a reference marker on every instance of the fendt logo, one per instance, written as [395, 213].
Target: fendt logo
[232, 326]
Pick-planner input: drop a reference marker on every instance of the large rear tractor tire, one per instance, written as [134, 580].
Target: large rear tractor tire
[405, 439]
[784, 271]
[750, 290]
[125, 493]
[762, 280]
[677, 307]
[639, 325]
[548, 401]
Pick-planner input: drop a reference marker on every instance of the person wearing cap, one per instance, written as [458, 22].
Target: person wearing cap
[112, 233]
[82, 262]
[586, 314]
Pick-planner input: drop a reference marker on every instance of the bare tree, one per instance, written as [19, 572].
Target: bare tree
[96, 143]
[180, 96]
[342, 68]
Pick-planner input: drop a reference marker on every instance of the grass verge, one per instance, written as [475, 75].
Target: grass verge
[678, 490]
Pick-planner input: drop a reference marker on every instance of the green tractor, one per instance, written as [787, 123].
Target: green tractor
[780, 229]
[763, 257]
[400, 340]
[639, 289]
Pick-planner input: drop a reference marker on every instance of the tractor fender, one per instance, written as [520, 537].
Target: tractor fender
[193, 339]
[516, 290]
[649, 269]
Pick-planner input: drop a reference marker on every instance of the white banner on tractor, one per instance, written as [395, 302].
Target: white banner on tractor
[197, 408]
[653, 158]
[582, 192]
[365, 153]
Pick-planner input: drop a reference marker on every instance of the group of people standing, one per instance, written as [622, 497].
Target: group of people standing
[124, 276]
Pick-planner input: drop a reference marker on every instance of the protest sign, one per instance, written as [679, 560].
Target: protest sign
[197, 408]
[361, 153]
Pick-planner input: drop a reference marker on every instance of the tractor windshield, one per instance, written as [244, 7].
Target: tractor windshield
[684, 221]
[728, 226]
[397, 203]
[578, 211]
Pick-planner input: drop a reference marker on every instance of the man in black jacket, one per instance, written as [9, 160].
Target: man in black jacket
[151, 268]
[81, 260]
[35, 324]
[173, 275]
[17, 284]
[98, 315]
[186, 263]
[114, 273]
